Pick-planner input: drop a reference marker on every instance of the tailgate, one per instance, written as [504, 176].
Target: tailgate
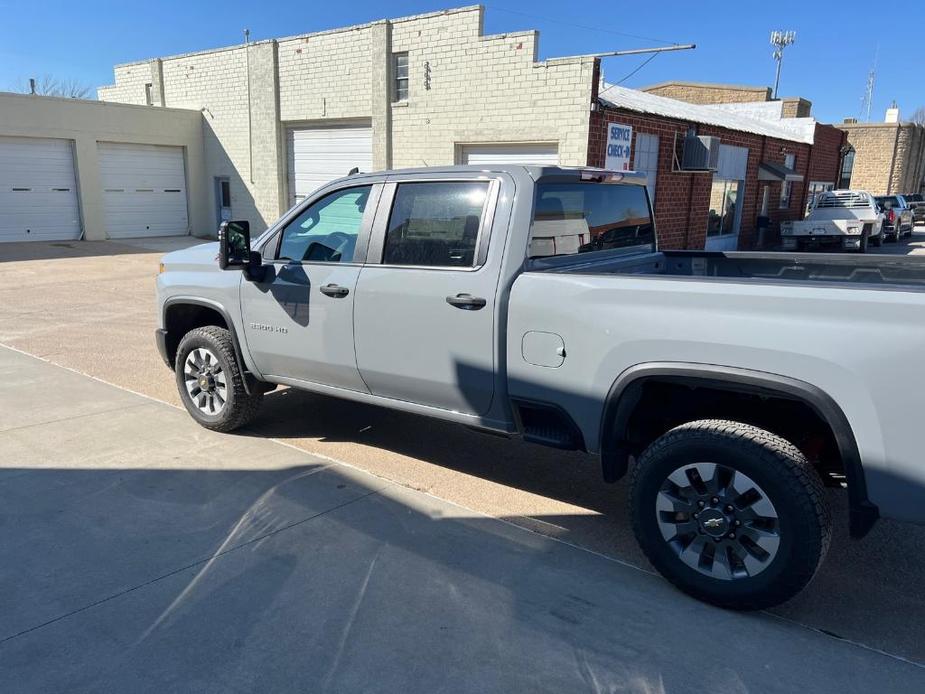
[823, 227]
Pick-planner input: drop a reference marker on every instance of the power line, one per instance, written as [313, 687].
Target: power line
[641, 65]
[584, 26]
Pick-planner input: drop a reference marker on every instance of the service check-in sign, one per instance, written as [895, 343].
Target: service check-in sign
[619, 139]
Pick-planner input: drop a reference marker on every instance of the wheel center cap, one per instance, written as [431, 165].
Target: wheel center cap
[713, 522]
[205, 382]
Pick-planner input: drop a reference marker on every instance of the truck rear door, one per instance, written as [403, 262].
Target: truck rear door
[424, 313]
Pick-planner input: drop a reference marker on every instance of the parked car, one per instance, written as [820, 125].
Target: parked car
[734, 386]
[917, 202]
[838, 219]
[898, 220]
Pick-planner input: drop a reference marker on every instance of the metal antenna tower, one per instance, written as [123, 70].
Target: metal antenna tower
[780, 40]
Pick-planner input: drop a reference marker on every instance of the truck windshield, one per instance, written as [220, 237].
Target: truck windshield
[573, 218]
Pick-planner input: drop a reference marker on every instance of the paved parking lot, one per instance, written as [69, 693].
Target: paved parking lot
[90, 307]
[142, 553]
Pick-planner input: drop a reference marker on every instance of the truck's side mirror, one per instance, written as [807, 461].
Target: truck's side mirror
[234, 245]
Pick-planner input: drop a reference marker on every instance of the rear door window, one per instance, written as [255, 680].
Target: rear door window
[435, 224]
[573, 218]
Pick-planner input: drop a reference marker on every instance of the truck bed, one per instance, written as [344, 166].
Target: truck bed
[906, 272]
[851, 326]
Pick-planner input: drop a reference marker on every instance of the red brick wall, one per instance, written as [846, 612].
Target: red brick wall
[682, 199]
[825, 160]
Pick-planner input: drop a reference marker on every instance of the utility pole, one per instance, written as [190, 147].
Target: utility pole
[780, 40]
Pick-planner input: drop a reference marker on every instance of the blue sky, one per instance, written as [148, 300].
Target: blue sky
[828, 64]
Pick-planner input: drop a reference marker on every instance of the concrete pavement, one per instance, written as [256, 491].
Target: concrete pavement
[142, 553]
[90, 307]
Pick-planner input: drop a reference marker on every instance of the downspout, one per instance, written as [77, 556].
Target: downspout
[809, 168]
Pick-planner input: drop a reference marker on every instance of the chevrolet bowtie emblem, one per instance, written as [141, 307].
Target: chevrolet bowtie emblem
[713, 522]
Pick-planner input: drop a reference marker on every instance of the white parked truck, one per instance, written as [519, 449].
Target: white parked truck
[846, 219]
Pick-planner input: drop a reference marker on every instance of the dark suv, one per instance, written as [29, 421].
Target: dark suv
[917, 202]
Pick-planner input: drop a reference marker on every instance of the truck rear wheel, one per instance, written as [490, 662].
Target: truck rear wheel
[210, 383]
[731, 514]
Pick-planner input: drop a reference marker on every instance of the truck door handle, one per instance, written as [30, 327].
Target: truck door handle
[467, 302]
[335, 290]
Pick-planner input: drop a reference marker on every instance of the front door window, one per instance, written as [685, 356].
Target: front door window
[326, 231]
[724, 200]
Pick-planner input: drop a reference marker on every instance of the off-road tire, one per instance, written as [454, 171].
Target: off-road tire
[240, 406]
[790, 483]
[877, 241]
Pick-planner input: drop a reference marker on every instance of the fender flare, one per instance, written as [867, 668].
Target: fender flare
[218, 308]
[626, 389]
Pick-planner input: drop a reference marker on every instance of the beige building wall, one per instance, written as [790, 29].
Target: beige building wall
[709, 93]
[889, 157]
[464, 88]
[87, 123]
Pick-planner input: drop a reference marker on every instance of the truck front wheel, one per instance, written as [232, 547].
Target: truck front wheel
[731, 514]
[210, 383]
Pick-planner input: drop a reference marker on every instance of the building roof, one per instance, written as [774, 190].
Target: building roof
[794, 129]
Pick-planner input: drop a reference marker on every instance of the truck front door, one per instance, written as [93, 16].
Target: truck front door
[425, 301]
[299, 322]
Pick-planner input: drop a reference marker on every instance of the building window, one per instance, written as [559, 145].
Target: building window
[149, 94]
[724, 197]
[847, 166]
[400, 71]
[786, 188]
[645, 160]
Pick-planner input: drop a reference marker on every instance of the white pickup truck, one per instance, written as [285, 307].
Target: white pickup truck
[534, 303]
[846, 219]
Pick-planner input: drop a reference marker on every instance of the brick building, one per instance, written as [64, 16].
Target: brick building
[280, 117]
[766, 169]
[284, 115]
[887, 157]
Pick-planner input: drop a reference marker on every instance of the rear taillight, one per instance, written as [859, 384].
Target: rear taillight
[891, 216]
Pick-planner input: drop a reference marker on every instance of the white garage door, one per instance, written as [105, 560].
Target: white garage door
[38, 190]
[144, 190]
[319, 155]
[543, 154]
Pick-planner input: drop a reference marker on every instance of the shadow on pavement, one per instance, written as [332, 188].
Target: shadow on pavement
[318, 578]
[867, 590]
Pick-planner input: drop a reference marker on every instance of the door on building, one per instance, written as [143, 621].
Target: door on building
[317, 156]
[38, 190]
[645, 160]
[222, 199]
[425, 304]
[725, 215]
[299, 322]
[542, 154]
[144, 190]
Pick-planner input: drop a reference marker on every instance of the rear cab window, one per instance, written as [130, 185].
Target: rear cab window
[572, 217]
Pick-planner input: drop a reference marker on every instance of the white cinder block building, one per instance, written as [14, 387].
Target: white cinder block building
[282, 116]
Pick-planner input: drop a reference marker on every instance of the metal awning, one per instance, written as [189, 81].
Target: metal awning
[772, 171]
